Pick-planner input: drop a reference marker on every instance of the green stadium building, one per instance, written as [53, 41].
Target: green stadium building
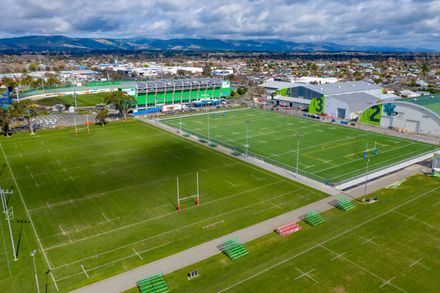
[194, 92]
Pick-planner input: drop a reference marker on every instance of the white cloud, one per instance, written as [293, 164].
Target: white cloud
[412, 23]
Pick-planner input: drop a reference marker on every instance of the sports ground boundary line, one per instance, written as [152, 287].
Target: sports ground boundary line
[29, 216]
[174, 230]
[101, 194]
[161, 216]
[362, 268]
[328, 240]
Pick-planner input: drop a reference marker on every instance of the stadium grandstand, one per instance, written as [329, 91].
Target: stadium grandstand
[195, 92]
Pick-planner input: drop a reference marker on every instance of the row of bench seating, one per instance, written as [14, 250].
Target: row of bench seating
[233, 249]
[288, 229]
[313, 218]
[153, 284]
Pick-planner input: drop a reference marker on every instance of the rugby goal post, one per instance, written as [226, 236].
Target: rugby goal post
[195, 196]
[85, 127]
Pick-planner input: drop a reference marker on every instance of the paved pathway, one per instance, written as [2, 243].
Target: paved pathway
[205, 250]
[208, 249]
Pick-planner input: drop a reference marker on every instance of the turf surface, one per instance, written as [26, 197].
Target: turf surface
[388, 246]
[106, 202]
[82, 100]
[328, 153]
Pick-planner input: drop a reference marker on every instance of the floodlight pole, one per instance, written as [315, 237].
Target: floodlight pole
[366, 174]
[178, 197]
[247, 139]
[209, 131]
[298, 136]
[8, 218]
[35, 270]
[198, 194]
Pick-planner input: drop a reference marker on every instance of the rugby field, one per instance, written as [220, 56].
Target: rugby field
[327, 152]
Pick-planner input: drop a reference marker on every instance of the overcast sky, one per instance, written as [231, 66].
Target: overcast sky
[407, 23]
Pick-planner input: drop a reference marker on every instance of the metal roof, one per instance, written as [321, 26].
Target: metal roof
[326, 89]
[356, 101]
[342, 87]
[168, 84]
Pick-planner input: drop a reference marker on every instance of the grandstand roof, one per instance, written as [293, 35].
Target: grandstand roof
[178, 83]
[432, 102]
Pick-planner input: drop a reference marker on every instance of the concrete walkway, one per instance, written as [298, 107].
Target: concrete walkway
[205, 250]
[127, 280]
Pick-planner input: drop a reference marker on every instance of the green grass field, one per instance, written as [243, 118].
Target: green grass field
[389, 246]
[105, 202]
[82, 100]
[328, 152]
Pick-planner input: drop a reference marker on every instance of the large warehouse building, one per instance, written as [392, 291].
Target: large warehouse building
[344, 100]
[413, 115]
[153, 94]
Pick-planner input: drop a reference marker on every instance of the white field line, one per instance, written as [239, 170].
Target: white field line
[413, 218]
[97, 161]
[369, 240]
[6, 251]
[124, 188]
[174, 230]
[29, 216]
[161, 216]
[365, 270]
[112, 262]
[330, 239]
[416, 262]
[85, 272]
[249, 165]
[134, 250]
[303, 274]
[378, 163]
[77, 146]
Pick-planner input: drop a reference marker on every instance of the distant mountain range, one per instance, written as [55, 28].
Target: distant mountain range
[66, 44]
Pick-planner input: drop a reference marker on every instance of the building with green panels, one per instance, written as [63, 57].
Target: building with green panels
[183, 91]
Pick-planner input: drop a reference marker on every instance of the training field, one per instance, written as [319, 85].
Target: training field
[82, 100]
[105, 202]
[392, 245]
[328, 153]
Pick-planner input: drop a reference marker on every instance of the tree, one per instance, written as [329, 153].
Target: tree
[101, 116]
[121, 101]
[33, 67]
[26, 80]
[5, 121]
[207, 70]
[27, 110]
[52, 81]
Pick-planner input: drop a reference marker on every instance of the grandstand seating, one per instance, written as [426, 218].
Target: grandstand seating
[155, 283]
[288, 229]
[313, 218]
[344, 205]
[233, 249]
